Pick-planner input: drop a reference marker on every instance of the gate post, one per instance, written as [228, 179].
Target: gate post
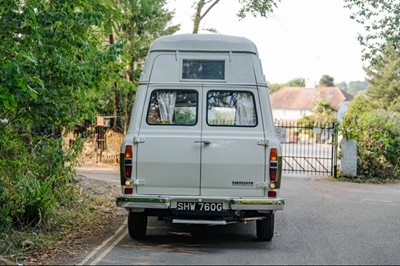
[335, 137]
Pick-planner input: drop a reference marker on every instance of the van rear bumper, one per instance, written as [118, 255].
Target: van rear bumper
[230, 203]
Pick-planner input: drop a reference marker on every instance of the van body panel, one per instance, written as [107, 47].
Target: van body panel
[233, 163]
[168, 159]
[201, 132]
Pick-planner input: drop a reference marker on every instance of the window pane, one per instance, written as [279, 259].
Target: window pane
[173, 107]
[203, 69]
[231, 108]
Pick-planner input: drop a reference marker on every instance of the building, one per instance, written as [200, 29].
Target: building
[292, 103]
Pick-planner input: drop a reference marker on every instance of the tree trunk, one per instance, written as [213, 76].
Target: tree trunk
[197, 16]
[116, 96]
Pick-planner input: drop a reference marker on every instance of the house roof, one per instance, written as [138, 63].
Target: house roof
[300, 98]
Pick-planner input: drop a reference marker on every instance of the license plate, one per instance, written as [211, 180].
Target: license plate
[200, 206]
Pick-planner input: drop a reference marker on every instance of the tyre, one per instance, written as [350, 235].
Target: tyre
[137, 225]
[265, 228]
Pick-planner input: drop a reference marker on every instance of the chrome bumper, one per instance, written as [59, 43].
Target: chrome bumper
[170, 202]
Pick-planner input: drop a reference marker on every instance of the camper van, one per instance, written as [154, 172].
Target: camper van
[201, 147]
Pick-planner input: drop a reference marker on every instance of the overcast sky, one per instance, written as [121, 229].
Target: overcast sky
[303, 38]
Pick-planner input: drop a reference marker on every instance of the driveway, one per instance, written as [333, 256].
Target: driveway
[323, 222]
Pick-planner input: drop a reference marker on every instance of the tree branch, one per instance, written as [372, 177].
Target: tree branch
[209, 8]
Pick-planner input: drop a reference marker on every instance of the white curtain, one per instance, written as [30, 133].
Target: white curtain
[166, 100]
[245, 114]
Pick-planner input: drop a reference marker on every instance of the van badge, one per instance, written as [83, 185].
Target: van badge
[243, 183]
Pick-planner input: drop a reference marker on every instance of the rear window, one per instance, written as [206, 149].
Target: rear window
[203, 69]
[231, 108]
[173, 107]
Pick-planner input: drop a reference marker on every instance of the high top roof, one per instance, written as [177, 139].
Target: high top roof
[203, 42]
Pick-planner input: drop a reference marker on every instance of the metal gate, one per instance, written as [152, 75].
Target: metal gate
[308, 149]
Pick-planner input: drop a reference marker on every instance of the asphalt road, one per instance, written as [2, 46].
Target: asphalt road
[323, 222]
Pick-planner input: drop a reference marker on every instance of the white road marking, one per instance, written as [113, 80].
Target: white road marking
[376, 200]
[105, 252]
[88, 257]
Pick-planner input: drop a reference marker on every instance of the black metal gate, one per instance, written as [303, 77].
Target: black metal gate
[308, 149]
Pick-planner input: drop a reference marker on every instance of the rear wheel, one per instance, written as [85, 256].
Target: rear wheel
[137, 225]
[265, 228]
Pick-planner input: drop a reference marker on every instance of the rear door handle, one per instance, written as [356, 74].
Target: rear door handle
[206, 142]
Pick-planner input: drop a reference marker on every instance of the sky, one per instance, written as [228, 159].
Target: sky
[301, 39]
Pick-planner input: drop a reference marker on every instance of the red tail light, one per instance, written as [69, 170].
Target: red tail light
[272, 173]
[272, 194]
[128, 171]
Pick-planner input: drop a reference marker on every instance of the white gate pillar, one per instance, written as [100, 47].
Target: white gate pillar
[348, 161]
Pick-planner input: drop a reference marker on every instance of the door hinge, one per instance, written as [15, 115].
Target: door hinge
[139, 140]
[263, 143]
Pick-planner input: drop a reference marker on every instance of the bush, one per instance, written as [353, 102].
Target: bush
[378, 144]
[36, 180]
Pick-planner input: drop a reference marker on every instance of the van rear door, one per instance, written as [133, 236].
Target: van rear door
[232, 159]
[168, 149]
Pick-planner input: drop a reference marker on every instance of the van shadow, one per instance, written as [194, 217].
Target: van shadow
[198, 239]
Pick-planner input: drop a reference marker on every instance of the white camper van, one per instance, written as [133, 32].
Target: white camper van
[201, 147]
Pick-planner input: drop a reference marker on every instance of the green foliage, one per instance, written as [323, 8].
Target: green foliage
[384, 80]
[257, 7]
[342, 85]
[322, 114]
[50, 73]
[296, 82]
[359, 104]
[57, 70]
[380, 19]
[326, 81]
[141, 23]
[353, 87]
[357, 86]
[378, 143]
[36, 179]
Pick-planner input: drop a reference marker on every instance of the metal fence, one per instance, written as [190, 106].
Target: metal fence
[308, 149]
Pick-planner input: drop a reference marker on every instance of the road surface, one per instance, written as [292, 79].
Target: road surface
[323, 222]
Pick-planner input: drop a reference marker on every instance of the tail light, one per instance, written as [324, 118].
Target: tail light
[272, 173]
[128, 157]
[273, 170]
[128, 161]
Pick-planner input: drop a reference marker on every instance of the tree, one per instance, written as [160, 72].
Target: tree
[342, 85]
[253, 7]
[384, 80]
[380, 19]
[322, 114]
[52, 60]
[296, 82]
[326, 81]
[142, 22]
[357, 86]
[353, 87]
